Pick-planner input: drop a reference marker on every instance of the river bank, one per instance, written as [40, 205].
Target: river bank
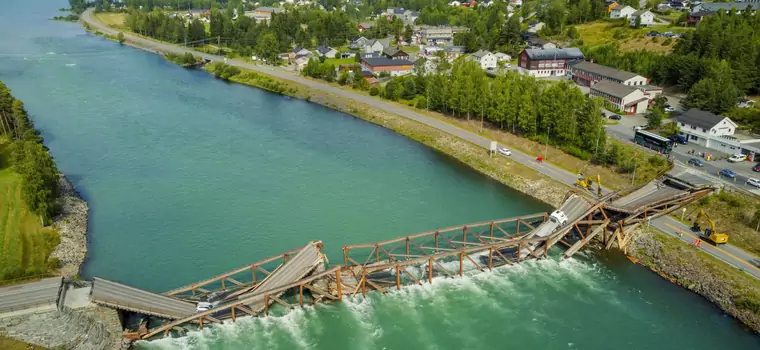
[732, 290]
[72, 228]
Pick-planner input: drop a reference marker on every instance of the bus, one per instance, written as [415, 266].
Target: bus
[653, 141]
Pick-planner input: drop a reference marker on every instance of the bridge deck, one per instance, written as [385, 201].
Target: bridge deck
[119, 296]
[32, 294]
[573, 208]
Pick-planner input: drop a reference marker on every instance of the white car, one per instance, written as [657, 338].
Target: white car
[753, 182]
[505, 151]
[559, 217]
[203, 306]
[736, 158]
[670, 109]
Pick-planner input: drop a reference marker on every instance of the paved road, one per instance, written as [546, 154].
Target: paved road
[728, 253]
[28, 295]
[550, 170]
[124, 297]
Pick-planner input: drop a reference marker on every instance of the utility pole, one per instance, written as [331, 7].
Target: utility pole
[546, 149]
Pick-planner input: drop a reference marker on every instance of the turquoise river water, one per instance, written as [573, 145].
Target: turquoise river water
[187, 176]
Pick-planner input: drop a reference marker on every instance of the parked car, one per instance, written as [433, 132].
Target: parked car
[696, 162]
[505, 151]
[756, 168]
[727, 173]
[736, 158]
[679, 139]
[615, 117]
[642, 127]
[753, 182]
[669, 108]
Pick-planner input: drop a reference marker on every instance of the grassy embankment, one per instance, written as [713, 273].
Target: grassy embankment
[734, 291]
[24, 244]
[12, 344]
[627, 38]
[113, 20]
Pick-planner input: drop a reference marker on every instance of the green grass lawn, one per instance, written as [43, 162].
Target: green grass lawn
[24, 244]
[12, 344]
[339, 61]
[628, 39]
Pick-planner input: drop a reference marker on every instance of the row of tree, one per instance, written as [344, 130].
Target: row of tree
[29, 156]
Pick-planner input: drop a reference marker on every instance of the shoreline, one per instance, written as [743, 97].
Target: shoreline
[72, 226]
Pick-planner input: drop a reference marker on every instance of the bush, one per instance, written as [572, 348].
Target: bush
[731, 199]
[667, 42]
[374, 91]
[620, 33]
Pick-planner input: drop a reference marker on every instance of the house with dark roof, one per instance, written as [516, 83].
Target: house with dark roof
[534, 42]
[548, 62]
[358, 43]
[299, 52]
[384, 64]
[324, 50]
[589, 73]
[395, 53]
[695, 17]
[726, 6]
[621, 97]
[704, 128]
[373, 46]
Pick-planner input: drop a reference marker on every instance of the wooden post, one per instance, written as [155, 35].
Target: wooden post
[233, 314]
[223, 287]
[436, 241]
[407, 247]
[464, 233]
[430, 271]
[461, 255]
[519, 245]
[340, 285]
[266, 304]
[345, 256]
[490, 259]
[377, 253]
[300, 293]
[398, 278]
[253, 273]
[201, 322]
[491, 229]
[546, 249]
[193, 291]
[364, 284]
[517, 228]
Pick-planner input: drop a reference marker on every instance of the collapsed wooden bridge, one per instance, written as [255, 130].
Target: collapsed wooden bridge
[303, 274]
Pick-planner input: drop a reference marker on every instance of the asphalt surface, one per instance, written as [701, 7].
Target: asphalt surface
[548, 169]
[28, 295]
[124, 297]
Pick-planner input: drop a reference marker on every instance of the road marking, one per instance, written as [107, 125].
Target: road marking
[718, 249]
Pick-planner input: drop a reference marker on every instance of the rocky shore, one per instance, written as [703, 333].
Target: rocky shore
[72, 227]
[732, 290]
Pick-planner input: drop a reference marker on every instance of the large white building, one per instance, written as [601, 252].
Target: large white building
[589, 73]
[645, 17]
[622, 11]
[625, 98]
[486, 59]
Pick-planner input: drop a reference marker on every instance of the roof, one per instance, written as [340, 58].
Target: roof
[700, 118]
[604, 71]
[372, 43]
[639, 12]
[451, 49]
[367, 25]
[621, 7]
[569, 53]
[369, 55]
[323, 49]
[298, 49]
[481, 53]
[383, 61]
[715, 6]
[392, 51]
[701, 13]
[613, 88]
[270, 9]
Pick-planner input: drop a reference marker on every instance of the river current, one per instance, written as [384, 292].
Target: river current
[188, 176]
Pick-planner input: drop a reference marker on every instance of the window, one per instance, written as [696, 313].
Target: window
[705, 130]
[693, 127]
[694, 138]
[683, 124]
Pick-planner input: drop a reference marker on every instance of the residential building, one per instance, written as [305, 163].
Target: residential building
[589, 73]
[438, 35]
[516, 3]
[548, 62]
[364, 55]
[645, 18]
[502, 57]
[726, 6]
[609, 5]
[534, 42]
[358, 43]
[486, 59]
[650, 91]
[395, 53]
[621, 97]
[745, 103]
[428, 65]
[365, 26]
[407, 16]
[373, 46]
[384, 64]
[453, 52]
[302, 62]
[324, 50]
[622, 11]
[678, 5]
[704, 128]
[299, 52]
[534, 27]
[695, 17]
[455, 3]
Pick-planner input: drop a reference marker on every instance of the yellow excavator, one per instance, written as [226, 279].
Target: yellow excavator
[587, 183]
[710, 234]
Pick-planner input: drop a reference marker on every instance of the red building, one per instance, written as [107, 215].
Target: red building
[547, 62]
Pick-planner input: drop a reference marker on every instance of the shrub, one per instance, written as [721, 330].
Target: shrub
[374, 91]
[667, 42]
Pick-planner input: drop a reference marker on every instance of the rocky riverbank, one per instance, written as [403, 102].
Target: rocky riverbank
[72, 227]
[732, 290]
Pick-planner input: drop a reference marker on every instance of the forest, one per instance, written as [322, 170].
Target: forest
[715, 64]
[29, 156]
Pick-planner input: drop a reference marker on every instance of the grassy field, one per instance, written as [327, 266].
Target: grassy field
[113, 20]
[12, 344]
[24, 244]
[629, 39]
[733, 215]
[339, 61]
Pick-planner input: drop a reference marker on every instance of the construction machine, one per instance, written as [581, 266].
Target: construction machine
[587, 183]
[710, 234]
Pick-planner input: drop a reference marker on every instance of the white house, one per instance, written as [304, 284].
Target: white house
[622, 97]
[646, 18]
[589, 73]
[705, 128]
[486, 59]
[455, 3]
[373, 46]
[502, 56]
[324, 50]
[622, 11]
[299, 52]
